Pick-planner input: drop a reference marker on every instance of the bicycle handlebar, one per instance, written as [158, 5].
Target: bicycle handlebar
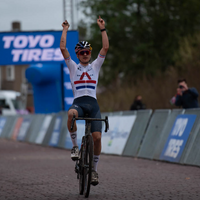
[90, 119]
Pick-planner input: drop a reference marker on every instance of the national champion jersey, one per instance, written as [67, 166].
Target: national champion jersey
[84, 79]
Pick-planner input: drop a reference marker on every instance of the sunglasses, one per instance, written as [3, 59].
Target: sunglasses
[84, 52]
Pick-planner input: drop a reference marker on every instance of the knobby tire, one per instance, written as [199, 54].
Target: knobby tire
[88, 158]
[81, 170]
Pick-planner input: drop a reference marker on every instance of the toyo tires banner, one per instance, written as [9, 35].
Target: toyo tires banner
[40, 49]
[177, 138]
[18, 48]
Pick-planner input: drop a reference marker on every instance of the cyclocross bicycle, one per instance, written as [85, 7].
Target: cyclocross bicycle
[84, 164]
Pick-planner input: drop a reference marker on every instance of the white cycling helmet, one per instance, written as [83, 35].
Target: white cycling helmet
[82, 45]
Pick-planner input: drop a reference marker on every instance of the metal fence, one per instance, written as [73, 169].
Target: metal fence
[147, 137]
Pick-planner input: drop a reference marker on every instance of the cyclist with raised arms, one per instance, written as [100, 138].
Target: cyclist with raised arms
[84, 79]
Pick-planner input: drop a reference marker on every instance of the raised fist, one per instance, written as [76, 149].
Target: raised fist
[101, 23]
[65, 24]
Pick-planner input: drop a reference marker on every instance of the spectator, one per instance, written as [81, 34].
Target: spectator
[185, 97]
[138, 104]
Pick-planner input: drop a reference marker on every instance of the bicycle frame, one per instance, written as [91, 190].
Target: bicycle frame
[84, 165]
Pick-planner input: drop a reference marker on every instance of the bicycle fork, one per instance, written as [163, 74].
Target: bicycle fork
[79, 163]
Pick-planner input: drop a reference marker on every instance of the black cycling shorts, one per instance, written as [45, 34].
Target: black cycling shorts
[88, 105]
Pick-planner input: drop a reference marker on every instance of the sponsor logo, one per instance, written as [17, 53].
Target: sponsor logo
[173, 148]
[174, 144]
[73, 136]
[179, 127]
[178, 137]
[27, 48]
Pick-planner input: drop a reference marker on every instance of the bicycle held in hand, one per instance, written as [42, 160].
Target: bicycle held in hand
[84, 164]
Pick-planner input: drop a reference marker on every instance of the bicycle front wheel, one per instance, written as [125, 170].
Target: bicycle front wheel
[81, 169]
[88, 158]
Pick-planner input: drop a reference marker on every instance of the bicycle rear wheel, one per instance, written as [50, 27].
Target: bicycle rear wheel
[88, 158]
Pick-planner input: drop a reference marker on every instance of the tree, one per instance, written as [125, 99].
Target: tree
[82, 28]
[143, 34]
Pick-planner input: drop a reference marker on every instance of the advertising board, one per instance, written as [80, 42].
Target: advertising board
[23, 129]
[177, 138]
[43, 129]
[114, 141]
[2, 123]
[17, 48]
[56, 132]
